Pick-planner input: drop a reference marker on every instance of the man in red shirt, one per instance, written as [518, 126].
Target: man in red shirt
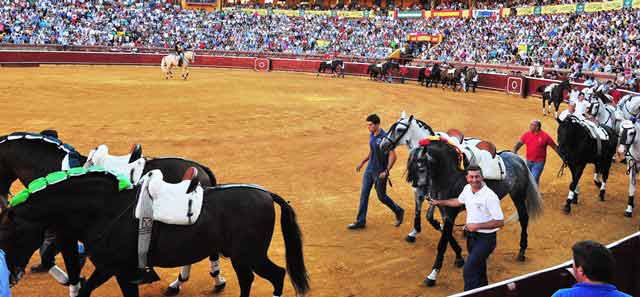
[536, 141]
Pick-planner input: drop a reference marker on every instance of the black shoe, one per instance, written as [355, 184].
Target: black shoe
[40, 268]
[355, 226]
[399, 217]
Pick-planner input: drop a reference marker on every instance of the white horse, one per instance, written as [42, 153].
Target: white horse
[628, 106]
[630, 146]
[409, 131]
[172, 60]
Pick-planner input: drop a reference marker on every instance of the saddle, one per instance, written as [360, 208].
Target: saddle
[174, 204]
[130, 165]
[476, 152]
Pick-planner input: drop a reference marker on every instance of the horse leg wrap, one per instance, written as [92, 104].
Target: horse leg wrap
[74, 290]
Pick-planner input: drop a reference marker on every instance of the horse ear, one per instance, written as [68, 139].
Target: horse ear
[403, 115]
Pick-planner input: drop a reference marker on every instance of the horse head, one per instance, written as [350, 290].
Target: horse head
[19, 239]
[435, 165]
[407, 130]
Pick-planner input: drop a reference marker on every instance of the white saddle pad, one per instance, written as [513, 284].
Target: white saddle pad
[120, 164]
[492, 168]
[171, 203]
[596, 131]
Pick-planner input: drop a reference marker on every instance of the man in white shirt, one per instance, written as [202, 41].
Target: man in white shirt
[484, 219]
[581, 106]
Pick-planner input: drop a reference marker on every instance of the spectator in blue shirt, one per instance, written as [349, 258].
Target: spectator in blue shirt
[593, 267]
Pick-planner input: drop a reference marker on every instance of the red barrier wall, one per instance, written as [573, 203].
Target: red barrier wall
[493, 81]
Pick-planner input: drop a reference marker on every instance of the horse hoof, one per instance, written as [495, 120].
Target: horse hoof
[601, 195]
[429, 282]
[628, 214]
[567, 209]
[219, 288]
[459, 262]
[575, 199]
[521, 257]
[171, 291]
[410, 239]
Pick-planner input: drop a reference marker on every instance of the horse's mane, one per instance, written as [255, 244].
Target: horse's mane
[424, 125]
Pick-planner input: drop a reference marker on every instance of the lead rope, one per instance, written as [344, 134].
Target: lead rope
[561, 171]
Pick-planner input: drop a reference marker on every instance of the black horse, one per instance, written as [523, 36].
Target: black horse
[336, 67]
[434, 169]
[374, 71]
[27, 156]
[237, 221]
[553, 93]
[433, 77]
[386, 69]
[578, 149]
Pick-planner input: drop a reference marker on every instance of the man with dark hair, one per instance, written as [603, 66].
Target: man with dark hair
[376, 173]
[484, 219]
[593, 267]
[536, 141]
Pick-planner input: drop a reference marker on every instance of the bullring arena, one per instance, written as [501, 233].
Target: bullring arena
[302, 137]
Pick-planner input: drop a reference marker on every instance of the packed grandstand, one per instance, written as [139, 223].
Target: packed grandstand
[605, 41]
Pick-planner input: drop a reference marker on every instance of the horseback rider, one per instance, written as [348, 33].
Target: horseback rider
[179, 48]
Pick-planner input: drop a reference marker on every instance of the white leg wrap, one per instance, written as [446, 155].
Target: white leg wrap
[629, 209]
[176, 284]
[215, 265]
[220, 280]
[433, 275]
[577, 190]
[604, 186]
[413, 233]
[185, 271]
[570, 196]
[74, 289]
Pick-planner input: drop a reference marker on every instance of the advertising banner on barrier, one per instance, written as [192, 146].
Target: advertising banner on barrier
[287, 12]
[413, 14]
[350, 14]
[318, 12]
[446, 13]
[613, 5]
[524, 11]
[424, 37]
[557, 9]
[485, 13]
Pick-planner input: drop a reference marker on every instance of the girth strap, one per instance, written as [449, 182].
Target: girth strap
[145, 225]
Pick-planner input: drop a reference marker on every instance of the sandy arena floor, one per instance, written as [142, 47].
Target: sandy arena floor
[302, 137]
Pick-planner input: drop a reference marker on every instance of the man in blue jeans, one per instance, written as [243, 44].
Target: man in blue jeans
[4, 277]
[536, 141]
[376, 174]
[593, 268]
[484, 219]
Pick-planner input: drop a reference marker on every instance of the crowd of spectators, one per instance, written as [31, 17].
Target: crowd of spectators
[603, 41]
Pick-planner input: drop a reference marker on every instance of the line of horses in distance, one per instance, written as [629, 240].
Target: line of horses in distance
[447, 76]
[93, 199]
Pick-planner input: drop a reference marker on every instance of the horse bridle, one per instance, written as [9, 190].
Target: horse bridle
[407, 125]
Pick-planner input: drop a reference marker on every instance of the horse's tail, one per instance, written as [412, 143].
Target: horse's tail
[293, 246]
[163, 64]
[533, 198]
